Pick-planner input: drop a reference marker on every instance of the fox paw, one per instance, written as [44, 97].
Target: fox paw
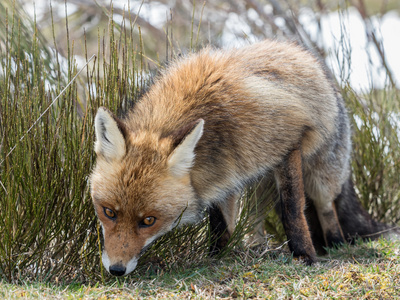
[308, 259]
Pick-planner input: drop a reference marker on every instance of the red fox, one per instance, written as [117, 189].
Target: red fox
[211, 124]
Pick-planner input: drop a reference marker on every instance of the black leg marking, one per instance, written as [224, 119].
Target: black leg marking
[219, 230]
[334, 236]
[292, 204]
[314, 225]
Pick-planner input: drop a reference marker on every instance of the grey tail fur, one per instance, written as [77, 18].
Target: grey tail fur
[353, 218]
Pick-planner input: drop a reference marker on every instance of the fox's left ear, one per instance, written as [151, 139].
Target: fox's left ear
[110, 135]
[182, 158]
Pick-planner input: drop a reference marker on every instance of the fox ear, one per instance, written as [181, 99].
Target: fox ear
[110, 132]
[182, 158]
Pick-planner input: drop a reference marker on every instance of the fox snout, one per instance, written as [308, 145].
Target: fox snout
[118, 267]
[117, 270]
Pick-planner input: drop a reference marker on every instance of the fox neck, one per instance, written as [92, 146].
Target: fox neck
[193, 213]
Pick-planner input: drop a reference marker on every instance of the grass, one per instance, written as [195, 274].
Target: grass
[365, 271]
[375, 159]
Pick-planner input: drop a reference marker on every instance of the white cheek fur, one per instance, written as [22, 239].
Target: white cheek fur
[106, 260]
[131, 265]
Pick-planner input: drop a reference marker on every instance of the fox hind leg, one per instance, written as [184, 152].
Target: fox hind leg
[322, 190]
[329, 221]
[290, 183]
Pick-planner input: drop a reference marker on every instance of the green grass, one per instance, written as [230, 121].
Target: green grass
[376, 160]
[365, 271]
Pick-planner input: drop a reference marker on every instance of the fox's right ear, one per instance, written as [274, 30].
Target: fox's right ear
[110, 131]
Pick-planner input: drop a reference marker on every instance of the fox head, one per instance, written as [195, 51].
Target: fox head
[140, 186]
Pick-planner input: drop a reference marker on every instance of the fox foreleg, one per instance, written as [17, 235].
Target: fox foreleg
[222, 223]
[290, 183]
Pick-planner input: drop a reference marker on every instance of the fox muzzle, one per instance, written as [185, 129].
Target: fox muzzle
[118, 268]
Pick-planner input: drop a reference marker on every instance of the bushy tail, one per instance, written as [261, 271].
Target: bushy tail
[353, 218]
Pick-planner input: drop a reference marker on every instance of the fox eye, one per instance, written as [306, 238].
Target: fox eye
[110, 213]
[147, 222]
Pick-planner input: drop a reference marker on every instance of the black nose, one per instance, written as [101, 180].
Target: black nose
[117, 270]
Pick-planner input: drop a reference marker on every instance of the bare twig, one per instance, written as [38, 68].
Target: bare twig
[370, 32]
[153, 31]
[259, 9]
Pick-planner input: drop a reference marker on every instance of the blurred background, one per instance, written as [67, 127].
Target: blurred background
[364, 33]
